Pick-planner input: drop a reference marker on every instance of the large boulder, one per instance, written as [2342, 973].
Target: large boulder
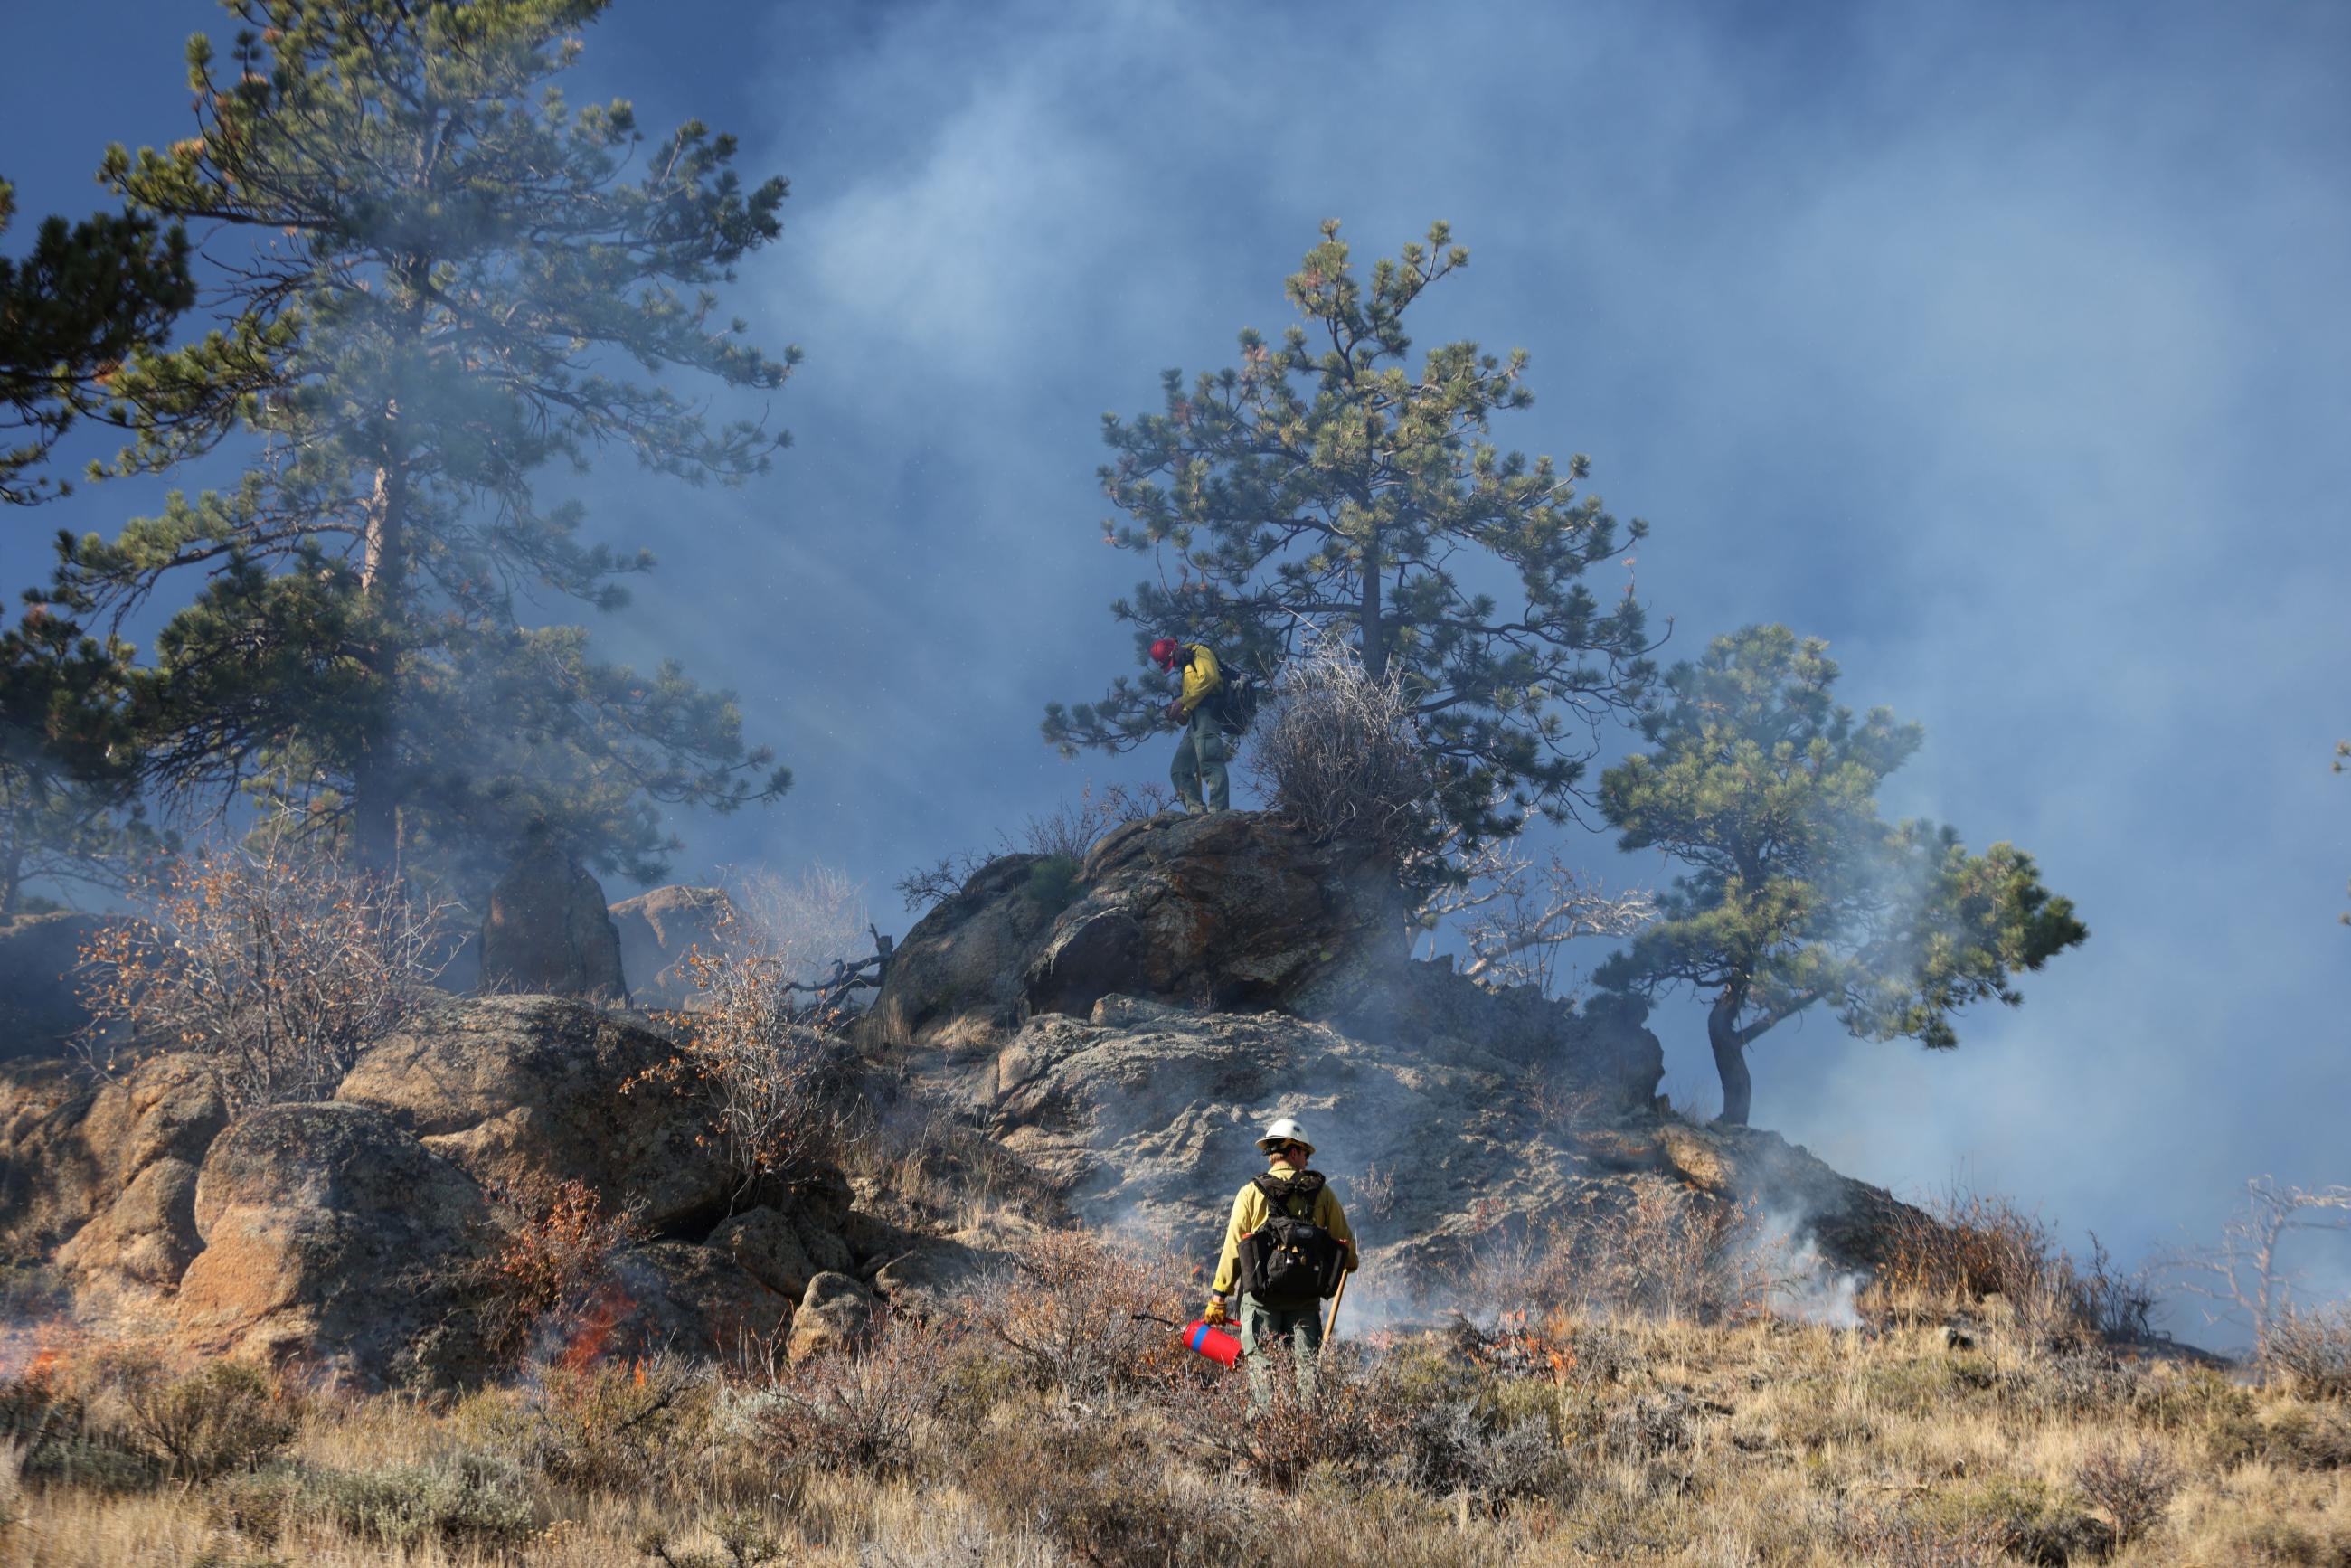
[1233, 911]
[330, 1237]
[524, 1091]
[107, 1170]
[956, 976]
[40, 1007]
[548, 931]
[1236, 911]
[832, 1316]
[659, 930]
[697, 1300]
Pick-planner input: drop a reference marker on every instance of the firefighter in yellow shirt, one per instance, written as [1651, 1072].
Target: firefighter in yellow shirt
[1286, 1246]
[1202, 782]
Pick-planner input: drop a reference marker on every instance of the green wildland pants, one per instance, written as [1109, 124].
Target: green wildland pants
[1264, 1327]
[1198, 770]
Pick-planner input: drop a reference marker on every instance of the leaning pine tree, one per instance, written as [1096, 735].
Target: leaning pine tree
[442, 276]
[1325, 484]
[1798, 893]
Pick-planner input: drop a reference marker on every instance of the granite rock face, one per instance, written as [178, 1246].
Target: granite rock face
[548, 932]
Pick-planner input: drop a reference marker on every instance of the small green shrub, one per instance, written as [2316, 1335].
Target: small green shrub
[228, 1417]
[2307, 1437]
[2036, 1523]
[56, 1441]
[1097, 1489]
[468, 1500]
[1054, 882]
[744, 1542]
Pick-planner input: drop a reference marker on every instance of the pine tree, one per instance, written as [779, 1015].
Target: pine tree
[447, 274]
[1798, 891]
[88, 296]
[1323, 483]
[69, 762]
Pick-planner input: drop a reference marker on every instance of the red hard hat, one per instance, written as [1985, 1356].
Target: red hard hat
[1163, 652]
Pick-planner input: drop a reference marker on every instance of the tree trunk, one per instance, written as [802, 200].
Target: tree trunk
[1729, 1056]
[383, 584]
[375, 791]
[1375, 627]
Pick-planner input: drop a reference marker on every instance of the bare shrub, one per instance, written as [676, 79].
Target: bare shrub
[1107, 1499]
[1353, 1424]
[1375, 1191]
[1556, 1100]
[2309, 1353]
[804, 922]
[2134, 1485]
[2245, 1275]
[1965, 1247]
[1340, 754]
[1087, 1325]
[773, 1076]
[860, 1411]
[624, 1426]
[1888, 1538]
[1072, 828]
[2118, 1304]
[1515, 914]
[279, 969]
[1658, 1251]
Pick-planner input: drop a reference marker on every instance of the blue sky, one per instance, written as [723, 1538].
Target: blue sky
[2005, 345]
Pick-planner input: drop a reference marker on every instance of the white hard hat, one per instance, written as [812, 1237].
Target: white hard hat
[1284, 1130]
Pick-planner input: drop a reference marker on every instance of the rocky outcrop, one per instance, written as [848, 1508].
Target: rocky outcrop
[548, 932]
[331, 1236]
[40, 1007]
[109, 1171]
[524, 1092]
[1144, 1116]
[346, 1235]
[659, 929]
[1235, 910]
[956, 976]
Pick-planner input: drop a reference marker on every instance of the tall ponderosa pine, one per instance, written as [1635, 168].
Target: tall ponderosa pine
[445, 275]
[1323, 483]
[1799, 893]
[88, 296]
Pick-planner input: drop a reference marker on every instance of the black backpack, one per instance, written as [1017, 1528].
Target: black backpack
[1238, 701]
[1288, 1261]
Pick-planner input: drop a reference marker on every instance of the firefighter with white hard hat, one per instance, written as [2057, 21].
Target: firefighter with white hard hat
[1286, 1247]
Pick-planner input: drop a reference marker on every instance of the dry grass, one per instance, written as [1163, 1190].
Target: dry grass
[1041, 1424]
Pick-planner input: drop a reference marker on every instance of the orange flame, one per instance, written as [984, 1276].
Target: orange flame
[586, 1346]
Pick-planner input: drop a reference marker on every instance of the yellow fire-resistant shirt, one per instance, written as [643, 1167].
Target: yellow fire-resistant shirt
[1202, 675]
[1251, 1209]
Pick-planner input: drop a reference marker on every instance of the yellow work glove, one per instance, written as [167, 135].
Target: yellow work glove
[1216, 1312]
